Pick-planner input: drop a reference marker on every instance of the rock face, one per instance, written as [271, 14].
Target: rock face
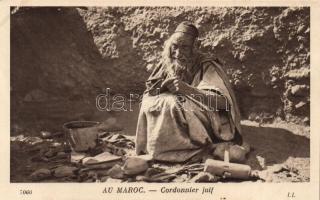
[49, 57]
[74, 53]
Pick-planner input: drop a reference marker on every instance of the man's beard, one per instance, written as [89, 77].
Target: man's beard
[177, 68]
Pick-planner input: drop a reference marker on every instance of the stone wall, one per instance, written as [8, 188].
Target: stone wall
[74, 53]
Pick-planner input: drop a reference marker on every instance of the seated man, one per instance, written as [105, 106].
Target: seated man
[188, 106]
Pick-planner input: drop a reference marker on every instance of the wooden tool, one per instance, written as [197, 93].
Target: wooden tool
[226, 169]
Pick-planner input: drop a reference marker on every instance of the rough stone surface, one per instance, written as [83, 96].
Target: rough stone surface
[70, 55]
[300, 90]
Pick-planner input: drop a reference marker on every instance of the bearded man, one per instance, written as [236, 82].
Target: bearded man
[188, 106]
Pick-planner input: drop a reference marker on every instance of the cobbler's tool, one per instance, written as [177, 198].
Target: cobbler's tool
[226, 169]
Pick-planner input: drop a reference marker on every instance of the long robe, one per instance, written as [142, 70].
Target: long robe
[175, 128]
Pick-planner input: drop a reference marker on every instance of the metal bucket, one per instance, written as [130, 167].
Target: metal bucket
[82, 135]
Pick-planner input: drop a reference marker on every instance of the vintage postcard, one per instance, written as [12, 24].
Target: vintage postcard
[159, 100]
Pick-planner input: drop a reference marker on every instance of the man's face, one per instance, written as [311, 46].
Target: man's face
[181, 47]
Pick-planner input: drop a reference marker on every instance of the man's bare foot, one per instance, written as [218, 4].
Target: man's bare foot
[237, 153]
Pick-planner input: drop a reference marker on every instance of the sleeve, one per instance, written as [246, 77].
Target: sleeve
[141, 134]
[155, 80]
[210, 80]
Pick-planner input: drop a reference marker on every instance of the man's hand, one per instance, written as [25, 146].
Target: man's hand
[175, 85]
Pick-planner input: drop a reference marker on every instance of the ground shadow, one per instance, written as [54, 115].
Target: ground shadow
[275, 145]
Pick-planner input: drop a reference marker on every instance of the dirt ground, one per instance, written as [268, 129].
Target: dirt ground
[280, 151]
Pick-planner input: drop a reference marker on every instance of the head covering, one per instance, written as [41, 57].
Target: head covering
[188, 28]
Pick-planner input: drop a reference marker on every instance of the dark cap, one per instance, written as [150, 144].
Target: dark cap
[188, 28]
